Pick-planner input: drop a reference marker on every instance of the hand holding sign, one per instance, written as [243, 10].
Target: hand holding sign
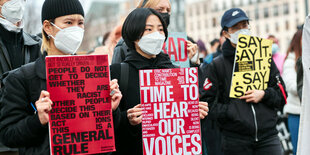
[135, 115]
[203, 109]
[44, 106]
[116, 94]
[191, 49]
[254, 96]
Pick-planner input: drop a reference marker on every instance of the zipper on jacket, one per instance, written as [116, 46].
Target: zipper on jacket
[255, 122]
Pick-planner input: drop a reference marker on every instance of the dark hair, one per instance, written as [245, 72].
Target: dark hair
[295, 45]
[105, 37]
[134, 25]
[214, 41]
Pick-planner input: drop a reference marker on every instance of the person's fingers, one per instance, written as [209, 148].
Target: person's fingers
[249, 92]
[245, 97]
[133, 110]
[136, 114]
[115, 91]
[138, 106]
[116, 95]
[204, 108]
[204, 113]
[139, 119]
[114, 86]
[48, 100]
[204, 103]
[201, 114]
[44, 94]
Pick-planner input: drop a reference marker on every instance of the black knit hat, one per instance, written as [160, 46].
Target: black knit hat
[56, 8]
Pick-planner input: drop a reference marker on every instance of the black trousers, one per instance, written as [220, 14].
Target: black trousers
[268, 146]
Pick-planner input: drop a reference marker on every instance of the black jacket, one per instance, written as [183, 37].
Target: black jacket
[20, 126]
[235, 117]
[120, 52]
[128, 137]
[30, 49]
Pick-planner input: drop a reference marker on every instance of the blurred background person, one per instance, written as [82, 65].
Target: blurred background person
[215, 43]
[203, 52]
[109, 43]
[277, 56]
[293, 106]
[16, 46]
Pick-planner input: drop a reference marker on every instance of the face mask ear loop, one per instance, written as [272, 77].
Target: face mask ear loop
[50, 36]
[56, 26]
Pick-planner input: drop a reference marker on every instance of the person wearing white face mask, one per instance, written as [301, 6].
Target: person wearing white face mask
[248, 124]
[163, 7]
[144, 32]
[25, 105]
[16, 46]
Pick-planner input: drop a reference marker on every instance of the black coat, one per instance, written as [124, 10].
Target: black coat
[235, 117]
[128, 137]
[20, 126]
[30, 49]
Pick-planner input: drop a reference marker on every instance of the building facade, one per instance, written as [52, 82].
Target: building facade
[277, 17]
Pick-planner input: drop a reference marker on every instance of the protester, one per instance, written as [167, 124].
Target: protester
[203, 52]
[215, 43]
[164, 8]
[277, 56]
[109, 43]
[293, 106]
[209, 58]
[17, 47]
[21, 126]
[248, 123]
[145, 32]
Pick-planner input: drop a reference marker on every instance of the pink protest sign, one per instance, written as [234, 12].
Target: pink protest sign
[170, 123]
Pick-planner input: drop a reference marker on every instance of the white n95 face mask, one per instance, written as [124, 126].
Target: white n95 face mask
[152, 43]
[13, 10]
[234, 37]
[68, 40]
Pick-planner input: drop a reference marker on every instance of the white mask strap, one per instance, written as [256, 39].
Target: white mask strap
[51, 36]
[56, 26]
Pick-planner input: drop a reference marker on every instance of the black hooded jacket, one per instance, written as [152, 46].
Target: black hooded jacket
[235, 117]
[128, 137]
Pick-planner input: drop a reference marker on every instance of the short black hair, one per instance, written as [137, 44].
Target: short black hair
[214, 41]
[134, 25]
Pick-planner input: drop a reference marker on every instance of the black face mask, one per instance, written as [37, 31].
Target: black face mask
[166, 17]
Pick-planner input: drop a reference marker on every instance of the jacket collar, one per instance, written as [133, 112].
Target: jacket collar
[229, 51]
[40, 66]
[28, 40]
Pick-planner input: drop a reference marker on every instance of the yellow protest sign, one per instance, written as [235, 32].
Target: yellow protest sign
[252, 65]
